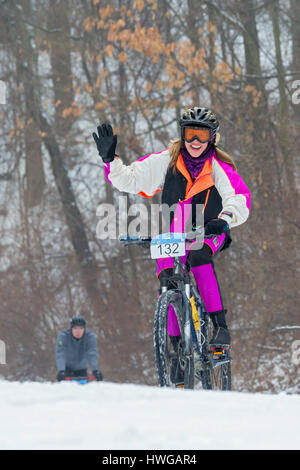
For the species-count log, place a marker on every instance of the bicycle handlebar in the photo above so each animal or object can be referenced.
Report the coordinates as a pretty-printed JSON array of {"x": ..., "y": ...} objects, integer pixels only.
[
  {"x": 135, "y": 240},
  {"x": 140, "y": 240}
]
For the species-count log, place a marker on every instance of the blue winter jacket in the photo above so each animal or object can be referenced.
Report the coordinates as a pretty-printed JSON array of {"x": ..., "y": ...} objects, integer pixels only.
[{"x": 76, "y": 354}]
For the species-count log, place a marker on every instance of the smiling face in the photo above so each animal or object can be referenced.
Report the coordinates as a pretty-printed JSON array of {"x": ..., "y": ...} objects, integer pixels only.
[
  {"x": 196, "y": 139},
  {"x": 195, "y": 148}
]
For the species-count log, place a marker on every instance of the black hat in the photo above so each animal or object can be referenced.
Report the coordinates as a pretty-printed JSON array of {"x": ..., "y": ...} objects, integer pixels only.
[{"x": 78, "y": 321}]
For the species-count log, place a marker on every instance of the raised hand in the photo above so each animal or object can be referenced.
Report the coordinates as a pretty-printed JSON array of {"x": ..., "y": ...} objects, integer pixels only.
[{"x": 106, "y": 142}]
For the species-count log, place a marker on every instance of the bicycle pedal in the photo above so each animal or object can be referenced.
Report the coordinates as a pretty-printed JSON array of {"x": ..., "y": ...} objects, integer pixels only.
[{"x": 220, "y": 351}]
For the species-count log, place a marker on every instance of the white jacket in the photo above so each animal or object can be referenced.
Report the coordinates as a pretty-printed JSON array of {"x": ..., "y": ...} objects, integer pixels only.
[{"x": 146, "y": 176}]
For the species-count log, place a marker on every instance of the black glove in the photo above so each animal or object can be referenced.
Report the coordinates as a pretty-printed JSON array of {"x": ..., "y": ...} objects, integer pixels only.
[
  {"x": 61, "y": 375},
  {"x": 98, "y": 375},
  {"x": 106, "y": 142},
  {"x": 216, "y": 227}
]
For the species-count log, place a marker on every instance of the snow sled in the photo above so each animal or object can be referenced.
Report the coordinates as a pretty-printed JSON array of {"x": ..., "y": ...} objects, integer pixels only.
[{"x": 81, "y": 380}]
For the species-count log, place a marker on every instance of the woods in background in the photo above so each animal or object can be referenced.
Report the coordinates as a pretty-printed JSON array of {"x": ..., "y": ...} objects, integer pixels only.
[{"x": 138, "y": 63}]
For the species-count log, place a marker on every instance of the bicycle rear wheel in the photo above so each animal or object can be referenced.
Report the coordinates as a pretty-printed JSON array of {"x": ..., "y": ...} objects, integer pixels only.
[
  {"x": 166, "y": 355},
  {"x": 220, "y": 377}
]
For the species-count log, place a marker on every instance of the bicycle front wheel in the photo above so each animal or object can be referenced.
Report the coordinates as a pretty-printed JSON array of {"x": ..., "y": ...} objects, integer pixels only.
[{"x": 174, "y": 358}]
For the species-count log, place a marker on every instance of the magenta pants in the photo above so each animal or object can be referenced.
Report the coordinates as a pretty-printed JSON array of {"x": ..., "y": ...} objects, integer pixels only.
[{"x": 202, "y": 267}]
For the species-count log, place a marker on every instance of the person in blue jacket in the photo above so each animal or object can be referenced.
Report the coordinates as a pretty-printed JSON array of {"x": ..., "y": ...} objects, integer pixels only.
[{"x": 76, "y": 349}]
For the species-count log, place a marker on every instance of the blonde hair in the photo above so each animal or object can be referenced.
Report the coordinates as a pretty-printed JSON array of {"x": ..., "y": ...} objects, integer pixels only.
[{"x": 178, "y": 144}]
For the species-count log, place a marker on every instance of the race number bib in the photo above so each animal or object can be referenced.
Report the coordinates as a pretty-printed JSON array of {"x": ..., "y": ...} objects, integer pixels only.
[{"x": 168, "y": 245}]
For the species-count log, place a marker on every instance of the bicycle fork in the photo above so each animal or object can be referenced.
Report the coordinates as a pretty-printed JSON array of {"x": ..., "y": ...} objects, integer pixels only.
[{"x": 187, "y": 319}]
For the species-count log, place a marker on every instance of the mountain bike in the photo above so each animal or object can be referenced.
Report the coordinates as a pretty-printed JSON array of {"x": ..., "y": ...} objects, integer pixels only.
[{"x": 191, "y": 354}]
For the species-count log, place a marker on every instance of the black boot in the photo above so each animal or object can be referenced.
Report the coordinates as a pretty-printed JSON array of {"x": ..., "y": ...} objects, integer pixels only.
[{"x": 221, "y": 335}]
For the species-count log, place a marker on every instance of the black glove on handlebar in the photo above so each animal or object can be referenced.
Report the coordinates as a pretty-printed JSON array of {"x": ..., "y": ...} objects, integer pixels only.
[
  {"x": 61, "y": 375},
  {"x": 98, "y": 375},
  {"x": 216, "y": 227},
  {"x": 106, "y": 142}
]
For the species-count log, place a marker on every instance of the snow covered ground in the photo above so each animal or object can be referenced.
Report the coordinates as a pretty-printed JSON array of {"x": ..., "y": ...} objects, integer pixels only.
[{"x": 113, "y": 416}]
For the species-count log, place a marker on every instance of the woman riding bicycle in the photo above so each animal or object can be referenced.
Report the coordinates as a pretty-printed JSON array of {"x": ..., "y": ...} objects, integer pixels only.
[{"x": 192, "y": 171}]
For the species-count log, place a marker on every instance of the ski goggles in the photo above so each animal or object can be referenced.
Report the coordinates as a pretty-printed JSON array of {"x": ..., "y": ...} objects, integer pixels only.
[{"x": 202, "y": 134}]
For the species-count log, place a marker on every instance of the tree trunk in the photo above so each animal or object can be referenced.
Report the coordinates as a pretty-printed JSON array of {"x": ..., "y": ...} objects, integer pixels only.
[
  {"x": 295, "y": 31},
  {"x": 28, "y": 76},
  {"x": 60, "y": 57},
  {"x": 283, "y": 103},
  {"x": 87, "y": 264},
  {"x": 295, "y": 65}
]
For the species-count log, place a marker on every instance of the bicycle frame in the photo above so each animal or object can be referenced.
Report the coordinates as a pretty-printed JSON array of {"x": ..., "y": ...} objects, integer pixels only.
[
  {"x": 215, "y": 359},
  {"x": 182, "y": 273},
  {"x": 182, "y": 276}
]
